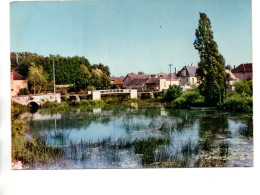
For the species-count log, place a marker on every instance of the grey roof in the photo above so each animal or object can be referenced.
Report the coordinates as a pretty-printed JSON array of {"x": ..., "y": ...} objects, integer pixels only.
[
  {"x": 134, "y": 76},
  {"x": 138, "y": 81},
  {"x": 188, "y": 71}
]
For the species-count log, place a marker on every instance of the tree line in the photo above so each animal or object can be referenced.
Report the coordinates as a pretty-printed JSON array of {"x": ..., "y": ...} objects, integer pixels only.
[{"x": 76, "y": 71}]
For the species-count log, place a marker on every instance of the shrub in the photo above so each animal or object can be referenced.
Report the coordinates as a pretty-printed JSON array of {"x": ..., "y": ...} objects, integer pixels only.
[
  {"x": 244, "y": 87},
  {"x": 237, "y": 103},
  {"x": 91, "y": 88},
  {"x": 24, "y": 91},
  {"x": 188, "y": 99},
  {"x": 172, "y": 93}
]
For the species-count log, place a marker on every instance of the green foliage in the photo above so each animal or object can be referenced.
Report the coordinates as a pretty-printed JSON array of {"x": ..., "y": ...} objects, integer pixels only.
[
  {"x": 237, "y": 103},
  {"x": 24, "y": 91},
  {"x": 37, "y": 78},
  {"x": 172, "y": 93},
  {"x": 245, "y": 88},
  {"x": 147, "y": 148},
  {"x": 68, "y": 70},
  {"x": 188, "y": 99},
  {"x": 21, "y": 62},
  {"x": 91, "y": 88},
  {"x": 211, "y": 71},
  {"x": 16, "y": 110},
  {"x": 28, "y": 150}
]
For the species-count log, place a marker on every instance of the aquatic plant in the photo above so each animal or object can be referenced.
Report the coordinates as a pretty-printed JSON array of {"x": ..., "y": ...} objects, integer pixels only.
[{"x": 246, "y": 131}]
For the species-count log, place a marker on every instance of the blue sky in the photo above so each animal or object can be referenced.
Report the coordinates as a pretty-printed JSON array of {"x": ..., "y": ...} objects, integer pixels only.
[{"x": 131, "y": 35}]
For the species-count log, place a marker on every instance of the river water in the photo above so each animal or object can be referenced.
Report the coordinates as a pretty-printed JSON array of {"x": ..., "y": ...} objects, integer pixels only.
[{"x": 142, "y": 137}]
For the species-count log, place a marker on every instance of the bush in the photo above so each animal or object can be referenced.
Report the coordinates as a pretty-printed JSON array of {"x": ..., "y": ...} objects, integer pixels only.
[
  {"x": 237, "y": 103},
  {"x": 188, "y": 99},
  {"x": 172, "y": 93},
  {"x": 244, "y": 87},
  {"x": 24, "y": 91},
  {"x": 91, "y": 88}
]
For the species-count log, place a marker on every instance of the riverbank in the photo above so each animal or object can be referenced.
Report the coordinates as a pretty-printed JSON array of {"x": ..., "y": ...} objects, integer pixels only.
[{"x": 33, "y": 150}]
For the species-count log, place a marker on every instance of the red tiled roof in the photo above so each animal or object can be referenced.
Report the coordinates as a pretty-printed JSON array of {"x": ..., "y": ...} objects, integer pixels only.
[
  {"x": 17, "y": 76},
  {"x": 243, "y": 68},
  {"x": 117, "y": 82}
]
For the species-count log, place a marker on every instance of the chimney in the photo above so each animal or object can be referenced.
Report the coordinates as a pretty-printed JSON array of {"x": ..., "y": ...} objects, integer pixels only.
[
  {"x": 175, "y": 70},
  {"x": 191, "y": 64},
  {"x": 140, "y": 73},
  {"x": 234, "y": 66}
]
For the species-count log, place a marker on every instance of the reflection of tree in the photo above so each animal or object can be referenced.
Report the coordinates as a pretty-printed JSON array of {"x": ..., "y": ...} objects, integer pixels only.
[
  {"x": 210, "y": 127},
  {"x": 186, "y": 119},
  {"x": 247, "y": 130}
]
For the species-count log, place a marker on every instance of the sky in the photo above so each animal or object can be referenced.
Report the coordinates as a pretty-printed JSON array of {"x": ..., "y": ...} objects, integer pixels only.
[{"x": 131, "y": 35}]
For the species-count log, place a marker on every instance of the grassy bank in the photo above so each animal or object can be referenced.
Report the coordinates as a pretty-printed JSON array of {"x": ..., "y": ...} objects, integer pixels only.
[
  {"x": 234, "y": 102},
  {"x": 29, "y": 150}
]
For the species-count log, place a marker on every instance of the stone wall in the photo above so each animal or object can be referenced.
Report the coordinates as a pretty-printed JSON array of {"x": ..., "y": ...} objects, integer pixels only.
[{"x": 39, "y": 99}]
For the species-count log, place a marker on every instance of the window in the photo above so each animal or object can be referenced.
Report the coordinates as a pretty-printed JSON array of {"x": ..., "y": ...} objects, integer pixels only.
[
  {"x": 192, "y": 80},
  {"x": 164, "y": 84}
]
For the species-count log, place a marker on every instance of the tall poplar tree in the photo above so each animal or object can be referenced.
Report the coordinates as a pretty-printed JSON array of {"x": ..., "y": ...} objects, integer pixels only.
[{"x": 211, "y": 68}]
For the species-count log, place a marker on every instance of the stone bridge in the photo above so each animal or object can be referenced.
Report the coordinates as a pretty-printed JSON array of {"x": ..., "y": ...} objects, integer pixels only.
[{"x": 37, "y": 99}]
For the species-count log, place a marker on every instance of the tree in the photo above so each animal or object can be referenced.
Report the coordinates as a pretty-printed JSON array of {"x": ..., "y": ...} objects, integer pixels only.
[
  {"x": 82, "y": 77},
  {"x": 37, "y": 78},
  {"x": 244, "y": 87},
  {"x": 172, "y": 93},
  {"x": 211, "y": 68}
]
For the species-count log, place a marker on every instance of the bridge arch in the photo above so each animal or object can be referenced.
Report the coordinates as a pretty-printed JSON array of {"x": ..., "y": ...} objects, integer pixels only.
[{"x": 33, "y": 106}]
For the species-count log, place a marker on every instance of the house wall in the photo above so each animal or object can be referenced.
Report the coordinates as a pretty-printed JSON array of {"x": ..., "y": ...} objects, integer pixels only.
[
  {"x": 244, "y": 76},
  {"x": 16, "y": 85},
  {"x": 165, "y": 84},
  {"x": 188, "y": 81},
  {"x": 192, "y": 80},
  {"x": 152, "y": 87},
  {"x": 231, "y": 85},
  {"x": 127, "y": 80}
]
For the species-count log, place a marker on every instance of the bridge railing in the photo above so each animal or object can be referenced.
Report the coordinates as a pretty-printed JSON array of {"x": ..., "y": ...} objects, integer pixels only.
[{"x": 116, "y": 91}]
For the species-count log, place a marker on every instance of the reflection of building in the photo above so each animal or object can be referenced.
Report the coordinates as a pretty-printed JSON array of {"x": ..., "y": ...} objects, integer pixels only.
[
  {"x": 243, "y": 71},
  {"x": 17, "y": 82},
  {"x": 188, "y": 77}
]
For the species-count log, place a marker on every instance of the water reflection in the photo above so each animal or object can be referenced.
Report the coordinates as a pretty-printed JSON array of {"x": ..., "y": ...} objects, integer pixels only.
[{"x": 135, "y": 137}]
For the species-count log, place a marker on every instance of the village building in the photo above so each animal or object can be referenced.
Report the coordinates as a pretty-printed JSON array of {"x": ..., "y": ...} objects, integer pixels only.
[
  {"x": 232, "y": 80},
  {"x": 187, "y": 76},
  {"x": 162, "y": 81},
  {"x": 136, "y": 81},
  {"x": 117, "y": 82},
  {"x": 17, "y": 82},
  {"x": 243, "y": 71}
]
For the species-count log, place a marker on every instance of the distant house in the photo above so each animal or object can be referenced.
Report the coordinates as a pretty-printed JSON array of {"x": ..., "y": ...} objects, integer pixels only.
[
  {"x": 136, "y": 81},
  {"x": 232, "y": 80},
  {"x": 117, "y": 82},
  {"x": 162, "y": 81},
  {"x": 187, "y": 76},
  {"x": 17, "y": 82},
  {"x": 243, "y": 71}
]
